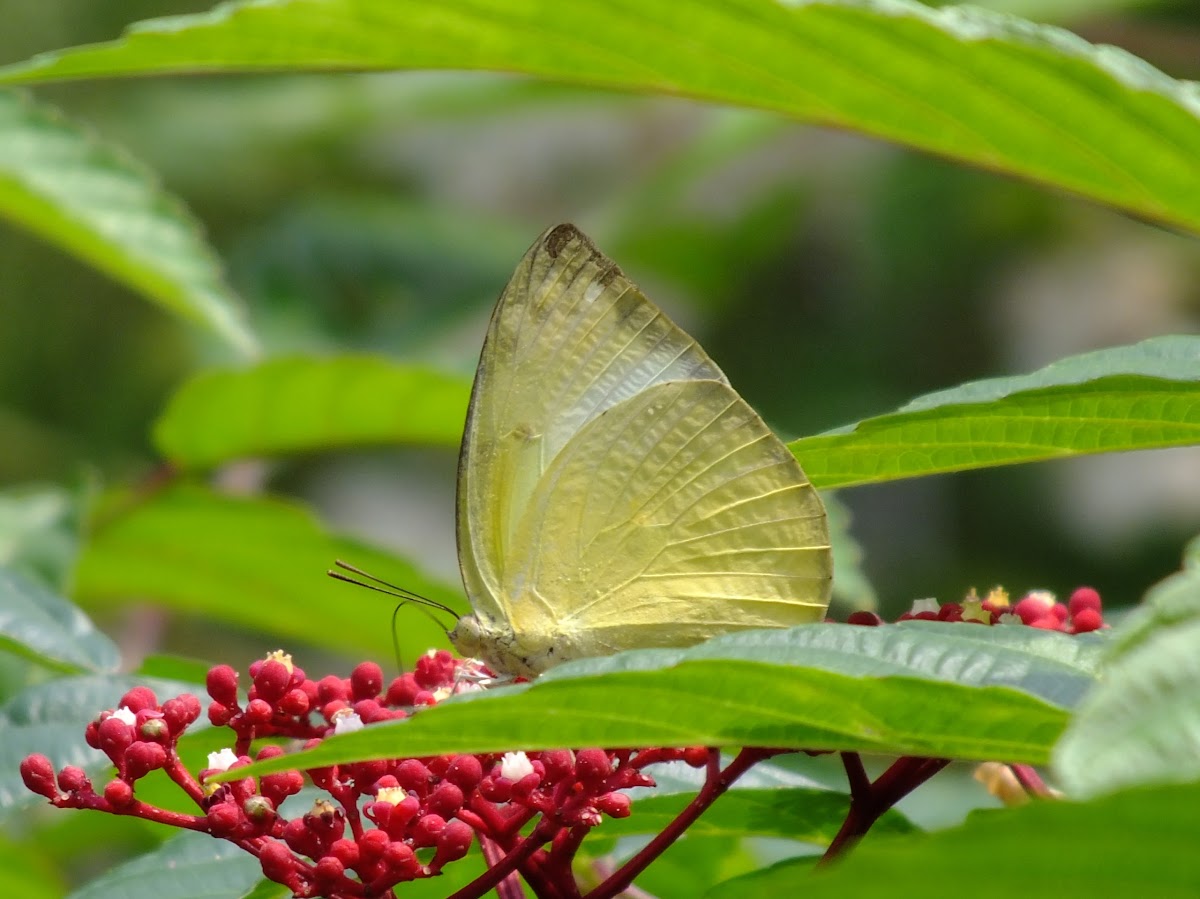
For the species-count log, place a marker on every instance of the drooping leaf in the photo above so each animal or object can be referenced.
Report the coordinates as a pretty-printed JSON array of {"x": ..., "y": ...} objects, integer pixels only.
[
  {"x": 89, "y": 198},
  {"x": 1000, "y": 93},
  {"x": 300, "y": 404},
  {"x": 253, "y": 562}
]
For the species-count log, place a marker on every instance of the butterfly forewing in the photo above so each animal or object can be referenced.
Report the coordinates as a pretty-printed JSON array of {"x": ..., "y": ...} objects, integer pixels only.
[{"x": 570, "y": 337}]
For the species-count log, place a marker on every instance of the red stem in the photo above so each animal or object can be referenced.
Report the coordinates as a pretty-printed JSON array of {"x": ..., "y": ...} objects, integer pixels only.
[
  {"x": 1028, "y": 778},
  {"x": 715, "y": 784},
  {"x": 491, "y": 878}
]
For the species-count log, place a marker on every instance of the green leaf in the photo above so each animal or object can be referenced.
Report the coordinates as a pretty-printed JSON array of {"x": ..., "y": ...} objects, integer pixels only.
[
  {"x": 89, "y": 198},
  {"x": 903, "y": 690},
  {"x": 190, "y": 866},
  {"x": 992, "y": 91},
  {"x": 50, "y": 718},
  {"x": 303, "y": 404},
  {"x": 39, "y": 532},
  {"x": 1136, "y": 843},
  {"x": 25, "y": 873},
  {"x": 1144, "y": 396},
  {"x": 1141, "y": 724},
  {"x": 42, "y": 626},
  {"x": 257, "y": 563}
]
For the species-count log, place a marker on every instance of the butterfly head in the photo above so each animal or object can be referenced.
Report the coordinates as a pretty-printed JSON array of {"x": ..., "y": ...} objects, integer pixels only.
[{"x": 501, "y": 650}]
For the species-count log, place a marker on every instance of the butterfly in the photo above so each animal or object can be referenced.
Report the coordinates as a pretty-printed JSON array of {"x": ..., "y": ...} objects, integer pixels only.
[{"x": 614, "y": 492}]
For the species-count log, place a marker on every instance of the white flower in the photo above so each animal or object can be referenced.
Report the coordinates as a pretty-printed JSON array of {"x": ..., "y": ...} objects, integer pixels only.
[
  {"x": 346, "y": 722},
  {"x": 925, "y": 605},
  {"x": 220, "y": 761},
  {"x": 123, "y": 714},
  {"x": 393, "y": 795},
  {"x": 515, "y": 765}
]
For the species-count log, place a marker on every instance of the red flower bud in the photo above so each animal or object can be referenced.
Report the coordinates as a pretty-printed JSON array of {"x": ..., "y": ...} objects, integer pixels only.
[
  {"x": 220, "y": 714},
  {"x": 328, "y": 872},
  {"x": 73, "y": 780},
  {"x": 372, "y": 844},
  {"x": 1084, "y": 598},
  {"x": 412, "y": 775},
  {"x": 114, "y": 736},
  {"x": 557, "y": 764},
  {"x": 696, "y": 756},
  {"x": 259, "y": 810},
  {"x": 346, "y": 852},
  {"x": 143, "y": 757},
  {"x": 331, "y": 689},
  {"x": 615, "y": 805},
  {"x": 154, "y": 729},
  {"x": 118, "y": 794},
  {"x": 495, "y": 789},
  {"x": 592, "y": 765},
  {"x": 1087, "y": 620},
  {"x": 401, "y": 861},
  {"x": 258, "y": 711},
  {"x": 272, "y": 681},
  {"x": 366, "y": 681},
  {"x": 139, "y": 698},
  {"x": 403, "y": 690},
  {"x": 38, "y": 774},
  {"x": 223, "y": 818},
  {"x": 181, "y": 712},
  {"x": 278, "y": 864},
  {"x": 864, "y": 617},
  {"x": 426, "y": 830},
  {"x": 294, "y": 702},
  {"x": 465, "y": 772},
  {"x": 222, "y": 684},
  {"x": 453, "y": 843},
  {"x": 446, "y": 799}
]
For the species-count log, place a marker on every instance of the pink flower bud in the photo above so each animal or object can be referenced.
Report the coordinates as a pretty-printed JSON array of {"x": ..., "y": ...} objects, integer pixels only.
[
  {"x": 445, "y": 800},
  {"x": 372, "y": 844},
  {"x": 73, "y": 780},
  {"x": 413, "y": 775},
  {"x": 222, "y": 683},
  {"x": 592, "y": 765},
  {"x": 1084, "y": 598},
  {"x": 331, "y": 689},
  {"x": 154, "y": 729},
  {"x": 114, "y": 736},
  {"x": 453, "y": 843},
  {"x": 1087, "y": 620},
  {"x": 38, "y": 774},
  {"x": 294, "y": 702},
  {"x": 864, "y": 618},
  {"x": 557, "y": 764},
  {"x": 272, "y": 681},
  {"x": 139, "y": 698},
  {"x": 278, "y": 864},
  {"x": 118, "y": 794},
  {"x": 615, "y": 805},
  {"x": 143, "y": 757},
  {"x": 366, "y": 681},
  {"x": 426, "y": 830},
  {"x": 465, "y": 772},
  {"x": 223, "y": 819}
]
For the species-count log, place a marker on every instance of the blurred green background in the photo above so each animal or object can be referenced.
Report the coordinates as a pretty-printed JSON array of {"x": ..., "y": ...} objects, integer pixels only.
[{"x": 832, "y": 278}]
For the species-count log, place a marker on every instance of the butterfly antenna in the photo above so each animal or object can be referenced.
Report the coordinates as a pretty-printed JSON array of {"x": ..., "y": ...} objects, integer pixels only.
[{"x": 371, "y": 582}]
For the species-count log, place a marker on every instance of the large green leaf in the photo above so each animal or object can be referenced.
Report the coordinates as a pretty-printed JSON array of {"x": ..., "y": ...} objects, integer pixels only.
[
  {"x": 1141, "y": 724},
  {"x": 996, "y": 92},
  {"x": 919, "y": 689},
  {"x": 42, "y": 626},
  {"x": 257, "y": 563},
  {"x": 190, "y": 866},
  {"x": 1140, "y": 843},
  {"x": 304, "y": 404},
  {"x": 1144, "y": 396},
  {"x": 88, "y": 197},
  {"x": 39, "y": 532}
]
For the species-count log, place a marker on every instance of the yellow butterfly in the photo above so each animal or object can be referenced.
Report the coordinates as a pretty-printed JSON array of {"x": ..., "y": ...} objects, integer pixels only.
[{"x": 614, "y": 492}]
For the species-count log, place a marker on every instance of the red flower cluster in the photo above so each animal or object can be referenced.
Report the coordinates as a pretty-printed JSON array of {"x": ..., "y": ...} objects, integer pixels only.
[
  {"x": 1082, "y": 614},
  {"x": 384, "y": 821}
]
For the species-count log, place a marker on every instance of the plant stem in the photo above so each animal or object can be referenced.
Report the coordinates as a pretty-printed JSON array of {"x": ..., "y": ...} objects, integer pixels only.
[{"x": 715, "y": 784}]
